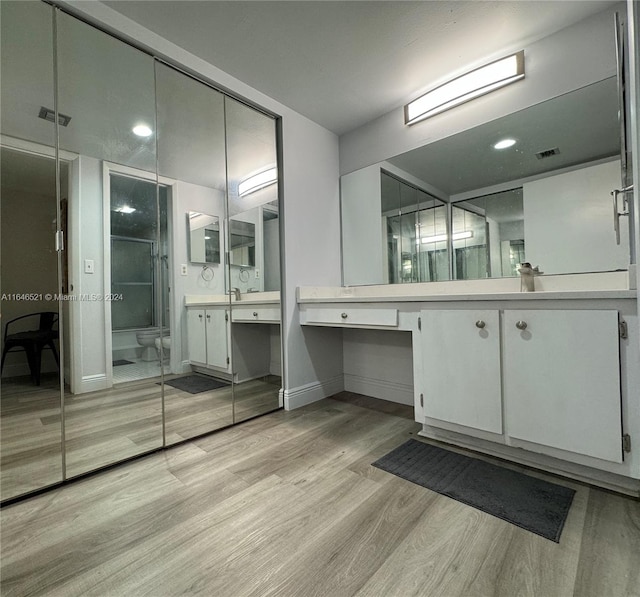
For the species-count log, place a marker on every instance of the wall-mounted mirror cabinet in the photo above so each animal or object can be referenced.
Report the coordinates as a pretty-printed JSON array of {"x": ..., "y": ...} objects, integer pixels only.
[
  {"x": 544, "y": 199},
  {"x": 136, "y": 302}
]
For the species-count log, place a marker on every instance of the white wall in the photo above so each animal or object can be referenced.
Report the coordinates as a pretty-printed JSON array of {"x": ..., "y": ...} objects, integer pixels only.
[
  {"x": 362, "y": 239},
  {"x": 310, "y": 211},
  {"x": 569, "y": 59},
  {"x": 568, "y": 221},
  {"x": 379, "y": 363}
]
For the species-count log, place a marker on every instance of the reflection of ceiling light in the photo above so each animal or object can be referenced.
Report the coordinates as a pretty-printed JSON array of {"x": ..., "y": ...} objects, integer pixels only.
[
  {"x": 504, "y": 144},
  {"x": 125, "y": 209},
  {"x": 258, "y": 181},
  {"x": 142, "y": 130},
  {"x": 207, "y": 238},
  {"x": 442, "y": 237},
  {"x": 464, "y": 88}
]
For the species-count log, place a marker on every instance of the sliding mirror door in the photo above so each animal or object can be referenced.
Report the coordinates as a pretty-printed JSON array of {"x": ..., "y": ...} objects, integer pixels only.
[
  {"x": 30, "y": 410},
  {"x": 113, "y": 409},
  {"x": 254, "y": 259},
  {"x": 191, "y": 163}
]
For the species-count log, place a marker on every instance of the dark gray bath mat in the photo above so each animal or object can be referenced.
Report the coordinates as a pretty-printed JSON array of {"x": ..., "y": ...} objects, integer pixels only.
[
  {"x": 530, "y": 503},
  {"x": 195, "y": 384},
  {"x": 122, "y": 362}
]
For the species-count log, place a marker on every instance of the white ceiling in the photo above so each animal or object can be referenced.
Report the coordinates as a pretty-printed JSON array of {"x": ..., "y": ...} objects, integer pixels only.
[{"x": 344, "y": 63}]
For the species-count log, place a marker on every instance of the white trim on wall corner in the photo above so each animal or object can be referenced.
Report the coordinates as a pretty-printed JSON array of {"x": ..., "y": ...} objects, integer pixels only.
[
  {"x": 392, "y": 391},
  {"x": 91, "y": 383},
  {"x": 312, "y": 392}
]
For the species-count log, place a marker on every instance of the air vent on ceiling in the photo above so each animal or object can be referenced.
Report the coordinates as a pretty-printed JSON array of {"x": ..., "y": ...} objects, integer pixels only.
[
  {"x": 50, "y": 115},
  {"x": 547, "y": 153}
]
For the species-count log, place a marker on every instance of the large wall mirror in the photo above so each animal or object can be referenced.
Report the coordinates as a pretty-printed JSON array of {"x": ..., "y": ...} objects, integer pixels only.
[
  {"x": 545, "y": 199},
  {"x": 144, "y": 325}
]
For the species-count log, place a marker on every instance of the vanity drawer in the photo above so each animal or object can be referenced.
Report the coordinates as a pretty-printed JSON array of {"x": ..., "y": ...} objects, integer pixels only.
[
  {"x": 255, "y": 314},
  {"x": 349, "y": 317}
]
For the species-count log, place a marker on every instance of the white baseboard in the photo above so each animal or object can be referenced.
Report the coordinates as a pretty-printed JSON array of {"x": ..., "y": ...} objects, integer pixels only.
[
  {"x": 312, "y": 392},
  {"x": 392, "y": 391},
  {"x": 280, "y": 397},
  {"x": 92, "y": 383}
]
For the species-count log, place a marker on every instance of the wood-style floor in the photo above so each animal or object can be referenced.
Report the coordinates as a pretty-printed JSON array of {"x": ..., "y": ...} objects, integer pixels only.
[
  {"x": 108, "y": 426},
  {"x": 289, "y": 505}
]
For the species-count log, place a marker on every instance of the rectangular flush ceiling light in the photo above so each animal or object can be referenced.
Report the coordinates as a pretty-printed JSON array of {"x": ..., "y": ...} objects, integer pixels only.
[{"x": 466, "y": 87}]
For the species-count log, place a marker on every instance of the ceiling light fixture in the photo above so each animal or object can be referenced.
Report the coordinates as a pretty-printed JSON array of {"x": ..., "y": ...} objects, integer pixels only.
[
  {"x": 442, "y": 237},
  {"x": 142, "y": 130},
  {"x": 504, "y": 144},
  {"x": 258, "y": 181},
  {"x": 466, "y": 87},
  {"x": 125, "y": 209}
]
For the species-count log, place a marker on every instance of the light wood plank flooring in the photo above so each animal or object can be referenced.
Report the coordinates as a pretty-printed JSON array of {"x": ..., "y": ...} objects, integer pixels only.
[
  {"x": 108, "y": 426},
  {"x": 289, "y": 505}
]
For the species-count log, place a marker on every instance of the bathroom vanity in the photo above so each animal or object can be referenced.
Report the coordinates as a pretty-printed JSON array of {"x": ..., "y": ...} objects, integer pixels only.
[
  {"x": 253, "y": 322},
  {"x": 547, "y": 378}
]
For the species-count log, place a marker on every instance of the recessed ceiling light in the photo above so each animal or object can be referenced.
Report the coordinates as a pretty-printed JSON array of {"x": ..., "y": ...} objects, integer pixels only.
[
  {"x": 142, "y": 130},
  {"x": 504, "y": 143}
]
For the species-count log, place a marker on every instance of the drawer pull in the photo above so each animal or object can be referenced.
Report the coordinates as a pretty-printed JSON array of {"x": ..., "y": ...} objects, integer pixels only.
[
  {"x": 521, "y": 325},
  {"x": 480, "y": 324},
  {"x": 255, "y": 314},
  {"x": 344, "y": 316}
]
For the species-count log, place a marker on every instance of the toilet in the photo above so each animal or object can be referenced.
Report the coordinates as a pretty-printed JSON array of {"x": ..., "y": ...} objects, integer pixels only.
[
  {"x": 150, "y": 340},
  {"x": 165, "y": 342}
]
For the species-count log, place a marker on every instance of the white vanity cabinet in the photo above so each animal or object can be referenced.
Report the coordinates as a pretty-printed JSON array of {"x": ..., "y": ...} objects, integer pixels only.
[
  {"x": 461, "y": 368},
  {"x": 208, "y": 335},
  {"x": 554, "y": 373},
  {"x": 561, "y": 375}
]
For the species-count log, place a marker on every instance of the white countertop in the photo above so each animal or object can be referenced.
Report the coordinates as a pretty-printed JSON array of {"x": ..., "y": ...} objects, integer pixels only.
[
  {"x": 604, "y": 285},
  {"x": 247, "y": 298}
]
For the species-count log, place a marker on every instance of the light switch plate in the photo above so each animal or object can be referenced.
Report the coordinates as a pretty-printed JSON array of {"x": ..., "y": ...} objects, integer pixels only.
[
  {"x": 183, "y": 269},
  {"x": 89, "y": 267},
  {"x": 257, "y": 273}
]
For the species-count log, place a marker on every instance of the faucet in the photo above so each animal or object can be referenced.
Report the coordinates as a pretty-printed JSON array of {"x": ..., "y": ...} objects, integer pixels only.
[
  {"x": 236, "y": 292},
  {"x": 527, "y": 274}
]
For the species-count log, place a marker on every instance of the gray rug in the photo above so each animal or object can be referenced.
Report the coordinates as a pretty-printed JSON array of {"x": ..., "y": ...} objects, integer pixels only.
[
  {"x": 196, "y": 384},
  {"x": 120, "y": 362},
  {"x": 530, "y": 503}
]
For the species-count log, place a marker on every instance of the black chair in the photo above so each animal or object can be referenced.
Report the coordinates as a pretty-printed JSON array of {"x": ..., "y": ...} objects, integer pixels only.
[{"x": 33, "y": 342}]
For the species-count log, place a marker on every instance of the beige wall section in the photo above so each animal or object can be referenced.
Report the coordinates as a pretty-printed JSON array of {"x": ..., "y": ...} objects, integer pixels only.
[{"x": 29, "y": 263}]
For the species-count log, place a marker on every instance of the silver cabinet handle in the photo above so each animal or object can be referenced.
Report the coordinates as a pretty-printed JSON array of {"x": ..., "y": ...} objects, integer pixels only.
[
  {"x": 255, "y": 314},
  {"x": 521, "y": 325},
  {"x": 344, "y": 316},
  {"x": 480, "y": 324}
]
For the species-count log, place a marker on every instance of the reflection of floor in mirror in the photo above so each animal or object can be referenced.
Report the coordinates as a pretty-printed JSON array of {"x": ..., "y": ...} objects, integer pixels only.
[
  {"x": 108, "y": 425},
  {"x": 29, "y": 434},
  {"x": 138, "y": 369}
]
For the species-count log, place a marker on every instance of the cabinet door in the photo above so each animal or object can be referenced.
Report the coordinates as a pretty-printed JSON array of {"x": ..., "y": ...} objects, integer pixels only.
[
  {"x": 196, "y": 336},
  {"x": 217, "y": 340},
  {"x": 461, "y": 368},
  {"x": 562, "y": 380}
]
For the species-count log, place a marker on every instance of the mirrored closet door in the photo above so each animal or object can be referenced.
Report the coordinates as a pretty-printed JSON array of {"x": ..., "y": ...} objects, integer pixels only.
[
  {"x": 31, "y": 413},
  {"x": 106, "y": 89},
  {"x": 140, "y": 253},
  {"x": 254, "y": 259}
]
